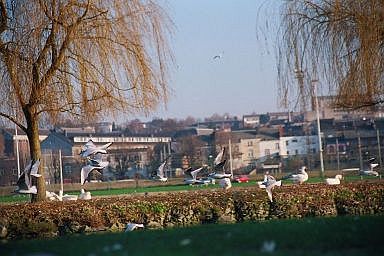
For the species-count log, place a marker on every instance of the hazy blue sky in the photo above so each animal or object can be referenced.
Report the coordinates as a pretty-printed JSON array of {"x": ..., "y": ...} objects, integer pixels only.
[{"x": 242, "y": 81}]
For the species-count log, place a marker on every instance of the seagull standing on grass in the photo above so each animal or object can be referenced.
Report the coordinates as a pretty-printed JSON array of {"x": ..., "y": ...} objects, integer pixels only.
[
  {"x": 225, "y": 183},
  {"x": 85, "y": 195},
  {"x": 299, "y": 178},
  {"x": 334, "y": 181}
]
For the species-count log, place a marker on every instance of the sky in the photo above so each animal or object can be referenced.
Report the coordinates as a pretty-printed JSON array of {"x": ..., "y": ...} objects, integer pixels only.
[{"x": 242, "y": 81}]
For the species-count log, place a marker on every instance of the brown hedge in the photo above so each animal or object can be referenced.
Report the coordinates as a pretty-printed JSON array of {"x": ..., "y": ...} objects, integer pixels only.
[{"x": 177, "y": 209}]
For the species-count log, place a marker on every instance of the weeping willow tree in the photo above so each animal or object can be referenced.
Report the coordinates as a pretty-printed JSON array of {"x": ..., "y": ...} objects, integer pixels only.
[
  {"x": 80, "y": 58},
  {"x": 340, "y": 42}
]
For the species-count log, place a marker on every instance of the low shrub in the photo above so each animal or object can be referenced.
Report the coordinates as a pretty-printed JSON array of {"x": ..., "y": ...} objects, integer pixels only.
[{"x": 189, "y": 208}]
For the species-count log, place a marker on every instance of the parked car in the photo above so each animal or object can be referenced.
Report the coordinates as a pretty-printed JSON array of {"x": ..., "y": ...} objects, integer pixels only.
[{"x": 241, "y": 178}]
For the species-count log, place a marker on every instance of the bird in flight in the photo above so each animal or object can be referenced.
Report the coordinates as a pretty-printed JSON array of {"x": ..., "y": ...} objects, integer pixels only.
[{"x": 219, "y": 56}]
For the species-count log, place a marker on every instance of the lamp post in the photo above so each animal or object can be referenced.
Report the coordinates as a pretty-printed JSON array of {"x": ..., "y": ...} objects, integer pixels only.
[{"x": 314, "y": 82}]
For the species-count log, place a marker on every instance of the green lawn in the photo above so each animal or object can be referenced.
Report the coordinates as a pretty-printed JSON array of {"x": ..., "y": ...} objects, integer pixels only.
[{"x": 349, "y": 235}]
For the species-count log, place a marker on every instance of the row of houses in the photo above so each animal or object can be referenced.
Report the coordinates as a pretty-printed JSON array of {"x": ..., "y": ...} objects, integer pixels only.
[
  {"x": 345, "y": 143},
  {"x": 126, "y": 155},
  {"x": 284, "y": 145}
]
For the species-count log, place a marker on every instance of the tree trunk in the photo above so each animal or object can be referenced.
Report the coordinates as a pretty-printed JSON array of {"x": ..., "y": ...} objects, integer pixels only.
[{"x": 35, "y": 153}]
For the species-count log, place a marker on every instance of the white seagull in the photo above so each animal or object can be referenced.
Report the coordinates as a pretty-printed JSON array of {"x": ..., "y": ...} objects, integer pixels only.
[
  {"x": 85, "y": 195},
  {"x": 93, "y": 164},
  {"x": 225, "y": 183},
  {"x": 192, "y": 176},
  {"x": 219, "y": 163},
  {"x": 334, "y": 181},
  {"x": 52, "y": 196},
  {"x": 133, "y": 226},
  {"x": 299, "y": 178},
  {"x": 269, "y": 183},
  {"x": 218, "y": 56},
  {"x": 220, "y": 172},
  {"x": 368, "y": 170},
  {"x": 220, "y": 157},
  {"x": 91, "y": 149},
  {"x": 160, "y": 174},
  {"x": 24, "y": 183}
]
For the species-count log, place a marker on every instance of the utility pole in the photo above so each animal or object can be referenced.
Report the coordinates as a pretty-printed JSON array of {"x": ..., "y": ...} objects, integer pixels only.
[
  {"x": 61, "y": 175},
  {"x": 318, "y": 127},
  {"x": 359, "y": 147},
  {"x": 338, "y": 154},
  {"x": 230, "y": 156},
  {"x": 17, "y": 152},
  {"x": 379, "y": 146}
]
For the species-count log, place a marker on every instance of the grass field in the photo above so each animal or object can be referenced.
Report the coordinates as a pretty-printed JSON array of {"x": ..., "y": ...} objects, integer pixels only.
[
  {"x": 349, "y": 235},
  {"x": 124, "y": 191}
]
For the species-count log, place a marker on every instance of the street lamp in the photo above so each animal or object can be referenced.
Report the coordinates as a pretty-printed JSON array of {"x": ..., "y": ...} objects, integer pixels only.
[{"x": 314, "y": 82}]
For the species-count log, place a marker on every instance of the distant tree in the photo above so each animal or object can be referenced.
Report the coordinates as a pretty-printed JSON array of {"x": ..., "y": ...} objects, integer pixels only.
[
  {"x": 188, "y": 121},
  {"x": 60, "y": 59},
  {"x": 190, "y": 146},
  {"x": 339, "y": 41},
  {"x": 215, "y": 117}
]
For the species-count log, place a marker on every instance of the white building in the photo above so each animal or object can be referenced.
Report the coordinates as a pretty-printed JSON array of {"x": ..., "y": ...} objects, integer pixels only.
[
  {"x": 298, "y": 145},
  {"x": 257, "y": 148},
  {"x": 251, "y": 121}
]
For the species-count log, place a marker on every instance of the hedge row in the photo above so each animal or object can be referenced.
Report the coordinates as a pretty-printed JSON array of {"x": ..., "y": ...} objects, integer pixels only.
[{"x": 48, "y": 219}]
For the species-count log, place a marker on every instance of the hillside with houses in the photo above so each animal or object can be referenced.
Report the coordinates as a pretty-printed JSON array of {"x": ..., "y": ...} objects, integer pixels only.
[{"x": 276, "y": 141}]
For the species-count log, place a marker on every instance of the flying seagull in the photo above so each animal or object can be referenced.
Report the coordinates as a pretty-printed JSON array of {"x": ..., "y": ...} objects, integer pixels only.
[
  {"x": 219, "y": 158},
  {"x": 24, "y": 183},
  {"x": 91, "y": 149},
  {"x": 93, "y": 164},
  {"x": 219, "y": 164},
  {"x": 160, "y": 174},
  {"x": 369, "y": 168},
  {"x": 133, "y": 226},
  {"x": 218, "y": 56},
  {"x": 219, "y": 172},
  {"x": 269, "y": 183},
  {"x": 192, "y": 176}
]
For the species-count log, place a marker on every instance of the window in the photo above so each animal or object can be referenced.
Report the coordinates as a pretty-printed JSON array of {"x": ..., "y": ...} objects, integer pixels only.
[
  {"x": 296, "y": 152},
  {"x": 250, "y": 153},
  {"x": 286, "y": 143},
  {"x": 250, "y": 143},
  {"x": 277, "y": 146},
  {"x": 67, "y": 169},
  {"x": 267, "y": 152},
  {"x": 331, "y": 149}
]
